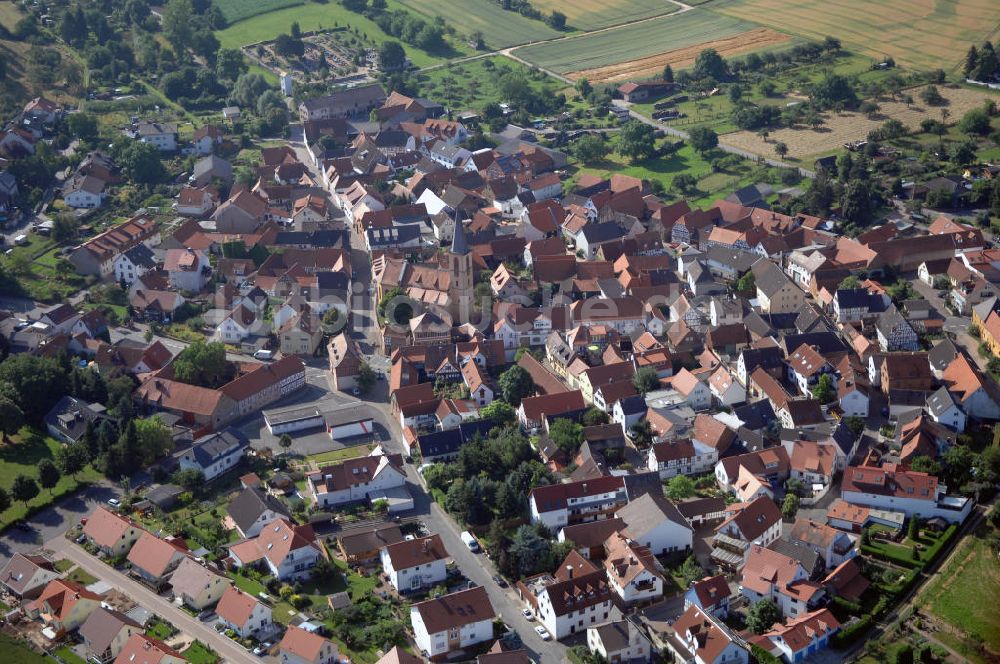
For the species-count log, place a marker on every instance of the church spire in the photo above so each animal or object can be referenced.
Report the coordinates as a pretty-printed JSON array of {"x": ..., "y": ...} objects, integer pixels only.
[{"x": 459, "y": 243}]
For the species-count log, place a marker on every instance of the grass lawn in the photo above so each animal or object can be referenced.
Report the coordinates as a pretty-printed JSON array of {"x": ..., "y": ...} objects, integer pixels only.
[
  {"x": 39, "y": 270},
  {"x": 68, "y": 656},
  {"x": 972, "y": 573},
  {"x": 237, "y": 10},
  {"x": 710, "y": 186},
  {"x": 63, "y": 565},
  {"x": 82, "y": 577},
  {"x": 247, "y": 585},
  {"x": 10, "y": 14},
  {"x": 283, "y": 612},
  {"x": 336, "y": 456},
  {"x": 315, "y": 16},
  {"x": 16, "y": 651},
  {"x": 22, "y": 457},
  {"x": 199, "y": 653},
  {"x": 159, "y": 629}
]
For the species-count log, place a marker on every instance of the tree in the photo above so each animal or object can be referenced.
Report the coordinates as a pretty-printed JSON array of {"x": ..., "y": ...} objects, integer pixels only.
[
  {"x": 646, "y": 380},
  {"x": 229, "y": 64},
  {"x": 391, "y": 56},
  {"x": 641, "y": 434},
  {"x": 203, "y": 364},
  {"x": 285, "y": 441},
  {"x": 567, "y": 435},
  {"x": 82, "y": 125},
  {"x": 177, "y": 28},
  {"x": 584, "y": 87},
  {"x": 64, "y": 227},
  {"x": 703, "y": 139},
  {"x": 153, "y": 439},
  {"x": 824, "y": 390},
  {"x": 189, "y": 478},
  {"x": 590, "y": 148},
  {"x": 48, "y": 474},
  {"x": 366, "y": 378},
  {"x": 780, "y": 149},
  {"x": 850, "y": 283},
  {"x": 4, "y": 500},
  {"x": 11, "y": 417},
  {"x": 913, "y": 528},
  {"x": 691, "y": 571},
  {"x": 789, "y": 506},
  {"x": 833, "y": 91},
  {"x": 856, "y": 203},
  {"x": 515, "y": 384},
  {"x": 24, "y": 489},
  {"x": 975, "y": 122},
  {"x": 499, "y": 412},
  {"x": 595, "y": 416},
  {"x": 72, "y": 458},
  {"x": 855, "y": 424},
  {"x": 556, "y": 20},
  {"x": 932, "y": 96},
  {"x": 680, "y": 487},
  {"x": 247, "y": 89},
  {"x": 761, "y": 615},
  {"x": 529, "y": 550},
  {"x": 668, "y": 74},
  {"x": 925, "y": 464},
  {"x": 323, "y": 571},
  {"x": 709, "y": 64},
  {"x": 636, "y": 141},
  {"x": 747, "y": 284},
  {"x": 904, "y": 655},
  {"x": 36, "y": 383},
  {"x": 139, "y": 162}
]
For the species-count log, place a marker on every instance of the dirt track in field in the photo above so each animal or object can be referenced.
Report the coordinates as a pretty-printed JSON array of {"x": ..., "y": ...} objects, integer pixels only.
[{"x": 682, "y": 57}]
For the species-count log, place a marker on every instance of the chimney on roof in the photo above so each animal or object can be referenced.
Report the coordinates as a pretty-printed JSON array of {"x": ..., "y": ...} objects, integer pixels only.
[{"x": 569, "y": 571}]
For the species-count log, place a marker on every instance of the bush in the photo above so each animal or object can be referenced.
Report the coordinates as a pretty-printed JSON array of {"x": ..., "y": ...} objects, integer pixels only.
[{"x": 852, "y": 633}]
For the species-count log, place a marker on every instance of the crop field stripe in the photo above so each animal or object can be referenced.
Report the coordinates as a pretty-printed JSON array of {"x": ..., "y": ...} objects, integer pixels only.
[
  {"x": 589, "y": 15},
  {"x": 500, "y": 28},
  {"x": 237, "y": 10},
  {"x": 916, "y": 33},
  {"x": 634, "y": 41}
]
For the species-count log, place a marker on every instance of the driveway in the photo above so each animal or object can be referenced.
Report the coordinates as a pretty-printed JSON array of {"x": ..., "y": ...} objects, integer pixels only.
[
  {"x": 53, "y": 522},
  {"x": 230, "y": 652}
]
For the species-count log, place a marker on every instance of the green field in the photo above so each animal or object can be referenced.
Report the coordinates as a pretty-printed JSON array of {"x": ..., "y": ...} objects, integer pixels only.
[
  {"x": 21, "y": 457},
  {"x": 631, "y": 42},
  {"x": 972, "y": 573},
  {"x": 10, "y": 14},
  {"x": 500, "y": 28},
  {"x": 314, "y": 16},
  {"x": 237, "y": 10},
  {"x": 589, "y": 15},
  {"x": 17, "y": 651}
]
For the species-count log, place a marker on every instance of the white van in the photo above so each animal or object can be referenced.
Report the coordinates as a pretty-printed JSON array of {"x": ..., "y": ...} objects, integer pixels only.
[
  {"x": 470, "y": 541},
  {"x": 21, "y": 239},
  {"x": 263, "y": 354}
]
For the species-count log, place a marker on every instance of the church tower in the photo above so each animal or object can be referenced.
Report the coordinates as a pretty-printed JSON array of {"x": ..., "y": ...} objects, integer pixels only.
[{"x": 459, "y": 262}]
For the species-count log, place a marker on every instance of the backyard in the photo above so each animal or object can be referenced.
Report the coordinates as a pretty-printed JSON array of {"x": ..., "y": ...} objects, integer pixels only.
[
  {"x": 41, "y": 271},
  {"x": 21, "y": 456}
]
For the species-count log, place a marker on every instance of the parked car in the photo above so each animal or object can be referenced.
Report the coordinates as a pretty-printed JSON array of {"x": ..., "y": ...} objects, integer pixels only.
[
  {"x": 263, "y": 648},
  {"x": 114, "y": 502},
  {"x": 528, "y": 615},
  {"x": 542, "y": 632},
  {"x": 499, "y": 581}
]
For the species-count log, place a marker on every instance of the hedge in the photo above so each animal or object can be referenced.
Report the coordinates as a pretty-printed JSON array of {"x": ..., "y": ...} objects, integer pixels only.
[
  {"x": 849, "y": 608},
  {"x": 852, "y": 633},
  {"x": 934, "y": 550},
  {"x": 886, "y": 554}
]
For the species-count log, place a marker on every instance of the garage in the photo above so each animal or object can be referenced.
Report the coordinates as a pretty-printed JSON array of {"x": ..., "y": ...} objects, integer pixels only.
[
  {"x": 290, "y": 420},
  {"x": 345, "y": 424}
]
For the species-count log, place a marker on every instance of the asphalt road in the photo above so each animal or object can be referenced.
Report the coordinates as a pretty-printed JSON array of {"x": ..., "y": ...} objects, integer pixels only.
[{"x": 204, "y": 632}]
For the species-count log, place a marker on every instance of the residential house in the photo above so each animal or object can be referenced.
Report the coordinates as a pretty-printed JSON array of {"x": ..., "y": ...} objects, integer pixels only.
[
  {"x": 452, "y": 623},
  {"x": 681, "y": 457},
  {"x": 776, "y": 293},
  {"x": 287, "y": 551},
  {"x": 618, "y": 642},
  {"x": 801, "y": 637},
  {"x": 558, "y": 505},
  {"x": 355, "y": 480},
  {"x": 187, "y": 269},
  {"x": 654, "y": 522},
  {"x": 197, "y": 586},
  {"x": 133, "y": 263},
  {"x": 757, "y": 523},
  {"x": 215, "y": 453},
  {"x": 895, "y": 489},
  {"x": 572, "y": 599},
  {"x": 415, "y": 564},
  {"x": 711, "y": 595},
  {"x": 831, "y": 545},
  {"x": 68, "y": 419},
  {"x": 84, "y": 192},
  {"x": 299, "y": 646},
  {"x": 97, "y": 255},
  {"x": 63, "y": 605},
  {"x": 163, "y": 136},
  {"x": 364, "y": 546},
  {"x": 153, "y": 559},
  {"x": 244, "y": 614},
  {"x": 533, "y": 411},
  {"x": 772, "y": 575},
  {"x": 634, "y": 574},
  {"x": 104, "y": 634},
  {"x": 895, "y": 332},
  {"x": 977, "y": 394},
  {"x": 25, "y": 576},
  {"x": 112, "y": 533},
  {"x": 253, "y": 508},
  {"x": 142, "y": 649},
  {"x": 697, "y": 637}
]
